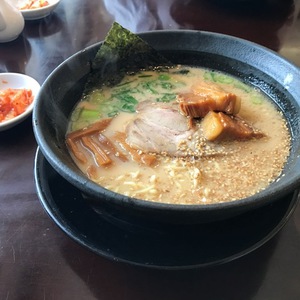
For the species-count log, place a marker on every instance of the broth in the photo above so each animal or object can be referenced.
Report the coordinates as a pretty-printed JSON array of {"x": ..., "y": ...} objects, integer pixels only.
[{"x": 215, "y": 171}]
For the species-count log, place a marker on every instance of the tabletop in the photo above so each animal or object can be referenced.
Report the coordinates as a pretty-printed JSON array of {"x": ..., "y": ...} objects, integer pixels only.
[{"x": 37, "y": 259}]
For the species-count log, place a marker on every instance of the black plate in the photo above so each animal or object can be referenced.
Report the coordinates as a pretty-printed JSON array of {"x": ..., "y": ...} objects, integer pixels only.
[{"x": 171, "y": 247}]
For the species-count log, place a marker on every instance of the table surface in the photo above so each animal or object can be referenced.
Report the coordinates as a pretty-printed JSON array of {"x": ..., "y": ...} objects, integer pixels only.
[{"x": 37, "y": 259}]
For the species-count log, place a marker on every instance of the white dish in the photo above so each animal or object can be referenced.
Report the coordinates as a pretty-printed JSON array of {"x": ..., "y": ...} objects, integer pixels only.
[
  {"x": 36, "y": 13},
  {"x": 18, "y": 81}
]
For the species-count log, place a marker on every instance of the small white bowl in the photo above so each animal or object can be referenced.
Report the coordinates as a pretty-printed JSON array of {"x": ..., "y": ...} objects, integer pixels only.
[
  {"x": 18, "y": 81},
  {"x": 36, "y": 13}
]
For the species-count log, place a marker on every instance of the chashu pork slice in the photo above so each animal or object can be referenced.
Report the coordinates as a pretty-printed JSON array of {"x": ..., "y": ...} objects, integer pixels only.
[
  {"x": 205, "y": 97},
  {"x": 219, "y": 126},
  {"x": 158, "y": 128}
]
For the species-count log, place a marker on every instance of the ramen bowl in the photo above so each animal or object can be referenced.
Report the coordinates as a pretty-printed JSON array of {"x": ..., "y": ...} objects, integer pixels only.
[{"x": 251, "y": 63}]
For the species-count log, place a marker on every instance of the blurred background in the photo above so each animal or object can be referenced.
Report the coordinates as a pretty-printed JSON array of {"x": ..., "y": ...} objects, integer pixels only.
[{"x": 271, "y": 23}]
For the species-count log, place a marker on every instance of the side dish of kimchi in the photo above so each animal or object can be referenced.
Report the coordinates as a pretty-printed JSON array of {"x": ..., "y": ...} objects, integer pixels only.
[
  {"x": 33, "y": 4},
  {"x": 14, "y": 102}
]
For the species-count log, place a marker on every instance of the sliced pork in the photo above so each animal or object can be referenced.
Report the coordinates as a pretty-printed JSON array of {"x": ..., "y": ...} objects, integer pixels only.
[
  {"x": 205, "y": 97},
  {"x": 158, "y": 128},
  {"x": 217, "y": 126}
]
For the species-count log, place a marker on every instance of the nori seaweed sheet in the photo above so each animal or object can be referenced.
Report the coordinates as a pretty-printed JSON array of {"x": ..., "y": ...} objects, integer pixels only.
[{"x": 121, "y": 52}]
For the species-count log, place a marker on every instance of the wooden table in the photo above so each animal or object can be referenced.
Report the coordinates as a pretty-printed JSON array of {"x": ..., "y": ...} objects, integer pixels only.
[{"x": 37, "y": 259}]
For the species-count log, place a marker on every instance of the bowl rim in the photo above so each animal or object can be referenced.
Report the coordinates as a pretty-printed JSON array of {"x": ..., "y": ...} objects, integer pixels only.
[{"x": 93, "y": 189}]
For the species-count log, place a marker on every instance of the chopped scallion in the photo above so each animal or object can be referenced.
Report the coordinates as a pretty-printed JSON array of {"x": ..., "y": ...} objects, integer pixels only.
[
  {"x": 166, "y": 98},
  {"x": 257, "y": 100},
  {"x": 164, "y": 77},
  {"x": 88, "y": 114}
]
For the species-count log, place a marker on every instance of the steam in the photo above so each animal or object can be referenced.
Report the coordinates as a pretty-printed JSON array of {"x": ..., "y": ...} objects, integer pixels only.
[{"x": 142, "y": 15}]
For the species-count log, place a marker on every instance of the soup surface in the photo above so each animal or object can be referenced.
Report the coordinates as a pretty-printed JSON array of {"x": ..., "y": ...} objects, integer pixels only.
[{"x": 142, "y": 139}]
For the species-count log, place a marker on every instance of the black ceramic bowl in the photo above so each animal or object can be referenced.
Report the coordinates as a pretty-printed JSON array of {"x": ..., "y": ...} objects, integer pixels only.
[{"x": 253, "y": 64}]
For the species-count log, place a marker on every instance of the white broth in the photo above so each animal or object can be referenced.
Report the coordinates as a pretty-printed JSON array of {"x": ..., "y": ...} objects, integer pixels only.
[{"x": 235, "y": 169}]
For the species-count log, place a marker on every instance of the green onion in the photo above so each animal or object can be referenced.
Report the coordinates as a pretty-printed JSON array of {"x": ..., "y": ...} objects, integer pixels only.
[
  {"x": 126, "y": 98},
  {"x": 222, "y": 78},
  {"x": 128, "y": 107},
  {"x": 164, "y": 77},
  {"x": 242, "y": 87},
  {"x": 88, "y": 114},
  {"x": 149, "y": 85},
  {"x": 166, "y": 85},
  {"x": 166, "y": 98},
  {"x": 208, "y": 76},
  {"x": 257, "y": 99},
  {"x": 217, "y": 77},
  {"x": 113, "y": 113}
]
